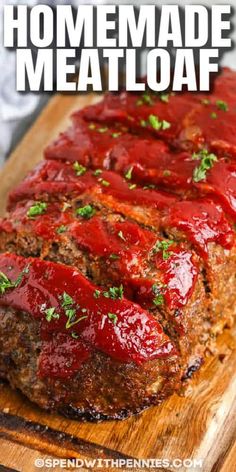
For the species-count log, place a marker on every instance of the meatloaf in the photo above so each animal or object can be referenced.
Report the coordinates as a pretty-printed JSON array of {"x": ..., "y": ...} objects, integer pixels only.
[{"x": 118, "y": 255}]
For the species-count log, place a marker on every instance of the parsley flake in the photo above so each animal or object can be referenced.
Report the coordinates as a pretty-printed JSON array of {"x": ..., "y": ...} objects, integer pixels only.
[
  {"x": 115, "y": 293},
  {"x": 222, "y": 105},
  {"x": 86, "y": 212},
  {"x": 158, "y": 124},
  {"x": 96, "y": 293},
  {"x": 97, "y": 172},
  {"x": 37, "y": 209},
  {"x": 50, "y": 314},
  {"x": 163, "y": 246},
  {"x": 6, "y": 283},
  {"x": 61, "y": 229},
  {"x": 164, "y": 97},
  {"x": 79, "y": 169},
  {"x": 207, "y": 162},
  {"x": 112, "y": 317},
  {"x": 128, "y": 174},
  {"x": 114, "y": 257},
  {"x": 67, "y": 300},
  {"x": 103, "y": 130}
]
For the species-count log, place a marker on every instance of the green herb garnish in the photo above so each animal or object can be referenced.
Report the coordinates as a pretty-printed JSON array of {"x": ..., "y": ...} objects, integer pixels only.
[
  {"x": 67, "y": 300},
  {"x": 6, "y": 283},
  {"x": 158, "y": 124},
  {"x": 114, "y": 257},
  {"x": 86, "y": 212},
  {"x": 37, "y": 209},
  {"x": 79, "y": 169},
  {"x": 128, "y": 174},
  {"x": 207, "y": 162},
  {"x": 103, "y": 130},
  {"x": 213, "y": 115},
  {"x": 163, "y": 246},
  {"x": 97, "y": 172},
  {"x": 112, "y": 317},
  {"x": 132, "y": 186},
  {"x": 115, "y": 293},
  {"x": 164, "y": 97},
  {"x": 222, "y": 105},
  {"x": 96, "y": 293},
  {"x": 62, "y": 229},
  {"x": 50, "y": 314},
  {"x": 159, "y": 298},
  {"x": 105, "y": 183},
  {"x": 116, "y": 135}
]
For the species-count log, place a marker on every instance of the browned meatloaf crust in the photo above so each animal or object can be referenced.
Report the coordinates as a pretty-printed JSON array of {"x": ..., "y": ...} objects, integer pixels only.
[{"x": 171, "y": 254}]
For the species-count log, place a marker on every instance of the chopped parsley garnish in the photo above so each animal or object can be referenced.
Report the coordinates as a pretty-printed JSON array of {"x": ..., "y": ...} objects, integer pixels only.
[
  {"x": 105, "y": 183},
  {"x": 79, "y": 169},
  {"x": 158, "y": 124},
  {"x": 70, "y": 313},
  {"x": 116, "y": 135},
  {"x": 37, "y": 209},
  {"x": 121, "y": 236},
  {"x": 112, "y": 317},
  {"x": 86, "y": 212},
  {"x": 164, "y": 97},
  {"x": 6, "y": 283},
  {"x": 159, "y": 298},
  {"x": 97, "y": 172},
  {"x": 213, "y": 115},
  {"x": 67, "y": 300},
  {"x": 50, "y": 314},
  {"x": 139, "y": 102},
  {"x": 128, "y": 174},
  {"x": 114, "y": 257},
  {"x": 132, "y": 186},
  {"x": 207, "y": 162},
  {"x": 147, "y": 99},
  {"x": 163, "y": 246},
  {"x": 222, "y": 105},
  {"x": 74, "y": 335},
  {"x": 96, "y": 293},
  {"x": 115, "y": 293},
  {"x": 103, "y": 130},
  {"x": 62, "y": 229}
]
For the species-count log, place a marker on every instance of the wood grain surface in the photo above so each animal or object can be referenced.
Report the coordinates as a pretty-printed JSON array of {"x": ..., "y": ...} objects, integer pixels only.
[{"x": 198, "y": 424}]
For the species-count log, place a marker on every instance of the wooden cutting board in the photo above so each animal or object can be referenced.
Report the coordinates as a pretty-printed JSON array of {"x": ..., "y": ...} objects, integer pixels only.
[{"x": 200, "y": 424}]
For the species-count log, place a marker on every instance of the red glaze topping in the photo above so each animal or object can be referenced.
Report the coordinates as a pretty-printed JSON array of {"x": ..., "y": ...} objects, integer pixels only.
[
  {"x": 211, "y": 126},
  {"x": 117, "y": 327},
  {"x": 202, "y": 221},
  {"x": 150, "y": 161}
]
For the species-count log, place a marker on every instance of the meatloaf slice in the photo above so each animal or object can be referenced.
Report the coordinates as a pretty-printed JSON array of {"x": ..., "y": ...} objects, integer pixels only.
[{"x": 68, "y": 351}]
